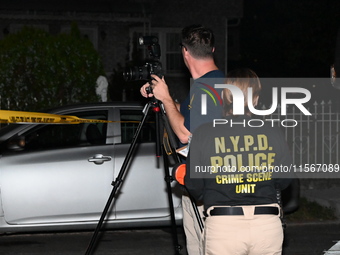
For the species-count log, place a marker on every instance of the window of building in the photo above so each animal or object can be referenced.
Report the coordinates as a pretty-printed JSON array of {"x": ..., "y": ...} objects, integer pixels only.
[{"x": 173, "y": 51}]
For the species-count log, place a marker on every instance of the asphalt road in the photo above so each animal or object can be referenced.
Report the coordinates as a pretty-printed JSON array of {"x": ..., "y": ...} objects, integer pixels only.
[
  {"x": 300, "y": 239},
  {"x": 310, "y": 238}
]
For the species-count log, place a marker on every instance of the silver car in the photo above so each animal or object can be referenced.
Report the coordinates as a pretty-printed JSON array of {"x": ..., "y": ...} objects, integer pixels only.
[{"x": 58, "y": 176}]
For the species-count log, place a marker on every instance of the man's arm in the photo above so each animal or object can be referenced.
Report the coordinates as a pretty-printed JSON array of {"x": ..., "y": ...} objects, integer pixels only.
[
  {"x": 176, "y": 120},
  {"x": 160, "y": 91}
]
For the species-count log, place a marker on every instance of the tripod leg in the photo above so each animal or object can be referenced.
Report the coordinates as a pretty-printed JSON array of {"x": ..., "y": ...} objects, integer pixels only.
[
  {"x": 172, "y": 142},
  {"x": 168, "y": 180},
  {"x": 118, "y": 181}
]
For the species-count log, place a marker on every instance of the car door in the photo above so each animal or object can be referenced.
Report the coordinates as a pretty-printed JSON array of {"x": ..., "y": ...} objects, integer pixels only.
[
  {"x": 62, "y": 173},
  {"x": 143, "y": 193}
]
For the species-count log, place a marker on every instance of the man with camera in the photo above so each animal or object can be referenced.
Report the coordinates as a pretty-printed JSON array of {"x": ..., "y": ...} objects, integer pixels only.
[{"x": 203, "y": 104}]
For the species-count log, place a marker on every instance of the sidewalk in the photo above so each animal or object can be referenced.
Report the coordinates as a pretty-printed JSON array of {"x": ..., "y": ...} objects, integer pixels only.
[{"x": 327, "y": 197}]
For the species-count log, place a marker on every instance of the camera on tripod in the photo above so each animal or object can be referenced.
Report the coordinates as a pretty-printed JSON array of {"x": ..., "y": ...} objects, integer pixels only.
[{"x": 151, "y": 66}]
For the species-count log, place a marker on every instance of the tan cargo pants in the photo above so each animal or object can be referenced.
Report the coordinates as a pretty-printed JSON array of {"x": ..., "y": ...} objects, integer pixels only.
[
  {"x": 246, "y": 234},
  {"x": 193, "y": 233}
]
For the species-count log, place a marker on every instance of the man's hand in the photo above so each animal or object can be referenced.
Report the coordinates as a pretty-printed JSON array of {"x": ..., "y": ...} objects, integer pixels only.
[
  {"x": 144, "y": 91},
  {"x": 160, "y": 89}
]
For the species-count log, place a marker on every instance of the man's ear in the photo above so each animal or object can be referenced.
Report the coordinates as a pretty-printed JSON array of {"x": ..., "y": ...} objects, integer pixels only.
[
  {"x": 213, "y": 50},
  {"x": 186, "y": 53}
]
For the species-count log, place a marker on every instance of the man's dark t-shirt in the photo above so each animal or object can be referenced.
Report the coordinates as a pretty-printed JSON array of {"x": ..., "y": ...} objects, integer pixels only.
[{"x": 191, "y": 107}]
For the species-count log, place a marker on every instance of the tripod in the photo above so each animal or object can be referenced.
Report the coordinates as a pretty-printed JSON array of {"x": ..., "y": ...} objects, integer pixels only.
[{"x": 155, "y": 105}]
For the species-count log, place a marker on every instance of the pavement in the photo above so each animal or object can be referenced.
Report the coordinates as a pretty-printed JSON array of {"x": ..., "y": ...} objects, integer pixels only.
[{"x": 327, "y": 197}]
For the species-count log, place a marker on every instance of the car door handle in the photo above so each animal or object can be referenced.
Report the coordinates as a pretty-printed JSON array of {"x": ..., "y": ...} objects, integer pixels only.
[{"x": 99, "y": 159}]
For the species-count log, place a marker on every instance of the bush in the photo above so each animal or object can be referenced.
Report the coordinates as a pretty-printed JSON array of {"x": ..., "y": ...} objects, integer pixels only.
[{"x": 39, "y": 70}]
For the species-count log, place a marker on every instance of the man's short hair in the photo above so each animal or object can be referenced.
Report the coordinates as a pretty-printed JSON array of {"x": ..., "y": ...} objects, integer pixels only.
[{"x": 199, "y": 41}]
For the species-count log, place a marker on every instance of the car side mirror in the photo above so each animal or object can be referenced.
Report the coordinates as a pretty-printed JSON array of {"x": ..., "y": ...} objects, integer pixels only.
[{"x": 16, "y": 144}]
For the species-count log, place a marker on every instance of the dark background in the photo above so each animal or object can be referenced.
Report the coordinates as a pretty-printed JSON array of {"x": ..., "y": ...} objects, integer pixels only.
[
  {"x": 277, "y": 38},
  {"x": 292, "y": 39},
  {"x": 289, "y": 38}
]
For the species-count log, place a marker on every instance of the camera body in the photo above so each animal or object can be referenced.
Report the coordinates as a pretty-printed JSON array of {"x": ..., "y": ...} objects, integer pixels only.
[
  {"x": 143, "y": 72},
  {"x": 151, "y": 66}
]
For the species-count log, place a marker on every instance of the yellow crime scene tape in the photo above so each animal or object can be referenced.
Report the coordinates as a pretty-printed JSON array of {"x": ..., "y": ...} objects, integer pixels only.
[{"x": 43, "y": 118}]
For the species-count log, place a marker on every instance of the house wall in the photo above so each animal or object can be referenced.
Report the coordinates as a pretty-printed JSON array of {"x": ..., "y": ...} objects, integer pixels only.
[{"x": 109, "y": 26}]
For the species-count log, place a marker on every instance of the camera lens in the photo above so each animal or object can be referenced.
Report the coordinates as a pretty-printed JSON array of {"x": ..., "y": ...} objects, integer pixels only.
[{"x": 137, "y": 73}]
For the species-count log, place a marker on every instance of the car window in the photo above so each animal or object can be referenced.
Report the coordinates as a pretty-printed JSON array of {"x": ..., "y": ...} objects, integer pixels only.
[
  {"x": 130, "y": 120},
  {"x": 54, "y": 136}
]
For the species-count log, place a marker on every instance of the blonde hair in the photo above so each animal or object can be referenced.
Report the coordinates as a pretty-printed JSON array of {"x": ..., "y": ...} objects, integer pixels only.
[{"x": 242, "y": 78}]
